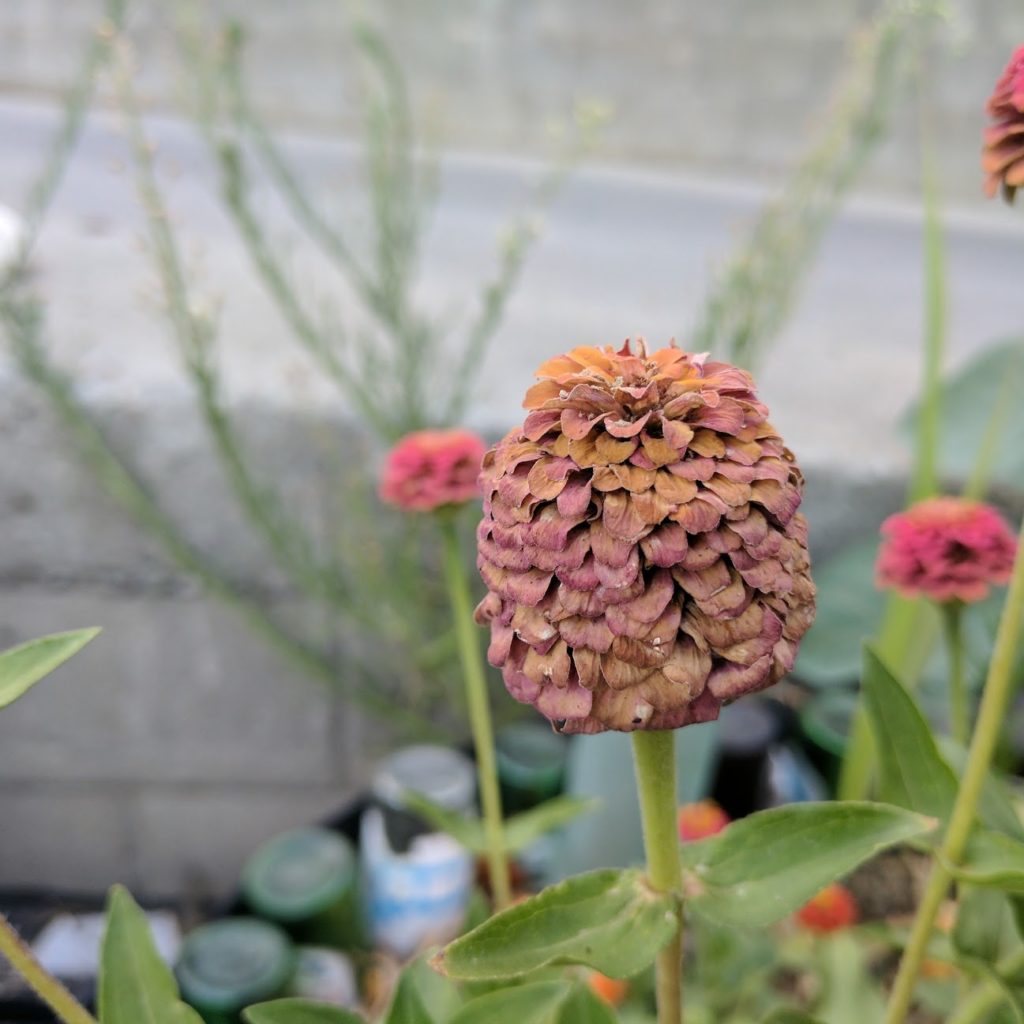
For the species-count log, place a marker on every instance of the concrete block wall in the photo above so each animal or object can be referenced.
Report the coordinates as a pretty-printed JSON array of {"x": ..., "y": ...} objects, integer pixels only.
[
  {"x": 164, "y": 752},
  {"x": 727, "y": 88}
]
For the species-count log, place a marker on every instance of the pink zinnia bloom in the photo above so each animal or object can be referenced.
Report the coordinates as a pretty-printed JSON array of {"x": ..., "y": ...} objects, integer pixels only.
[
  {"x": 946, "y": 549},
  {"x": 1003, "y": 151},
  {"x": 700, "y": 820},
  {"x": 432, "y": 468},
  {"x": 833, "y": 909}
]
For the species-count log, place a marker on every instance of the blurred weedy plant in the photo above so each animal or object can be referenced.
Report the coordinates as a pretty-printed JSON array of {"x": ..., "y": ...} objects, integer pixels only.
[
  {"x": 755, "y": 290},
  {"x": 370, "y": 576}
]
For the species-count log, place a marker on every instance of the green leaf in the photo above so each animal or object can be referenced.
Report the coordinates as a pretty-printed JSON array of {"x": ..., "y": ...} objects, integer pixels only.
[
  {"x": 135, "y": 985},
  {"x": 610, "y": 920},
  {"x": 422, "y": 997},
  {"x": 993, "y": 860},
  {"x": 731, "y": 878},
  {"x": 790, "y": 1017},
  {"x": 982, "y": 400},
  {"x": 545, "y": 1002},
  {"x": 849, "y": 611},
  {"x": 23, "y": 666},
  {"x": 995, "y": 806},
  {"x": 468, "y": 831},
  {"x": 980, "y": 918},
  {"x": 912, "y": 771},
  {"x": 298, "y": 1011},
  {"x": 522, "y": 829}
]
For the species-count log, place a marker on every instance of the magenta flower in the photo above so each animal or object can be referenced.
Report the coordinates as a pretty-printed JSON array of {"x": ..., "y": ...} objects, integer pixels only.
[
  {"x": 1003, "y": 152},
  {"x": 432, "y": 468},
  {"x": 946, "y": 549}
]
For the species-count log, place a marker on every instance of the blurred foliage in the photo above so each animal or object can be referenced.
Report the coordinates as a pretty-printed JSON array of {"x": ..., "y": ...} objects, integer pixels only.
[{"x": 754, "y": 292}]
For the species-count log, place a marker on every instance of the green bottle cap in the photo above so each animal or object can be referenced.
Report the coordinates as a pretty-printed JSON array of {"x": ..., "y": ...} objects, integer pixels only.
[
  {"x": 531, "y": 757},
  {"x": 299, "y": 874},
  {"x": 230, "y": 964}
]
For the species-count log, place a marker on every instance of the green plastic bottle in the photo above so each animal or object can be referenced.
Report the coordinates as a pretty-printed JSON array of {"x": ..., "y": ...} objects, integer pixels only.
[
  {"x": 230, "y": 964},
  {"x": 306, "y": 880},
  {"x": 531, "y": 765}
]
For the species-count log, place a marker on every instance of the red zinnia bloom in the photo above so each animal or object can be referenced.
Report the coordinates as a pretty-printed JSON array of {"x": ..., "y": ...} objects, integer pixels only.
[
  {"x": 431, "y": 468},
  {"x": 1003, "y": 152},
  {"x": 833, "y": 909},
  {"x": 700, "y": 820},
  {"x": 946, "y": 549}
]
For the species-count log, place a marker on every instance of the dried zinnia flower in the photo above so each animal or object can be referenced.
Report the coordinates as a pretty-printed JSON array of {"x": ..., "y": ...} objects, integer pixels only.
[
  {"x": 1003, "y": 151},
  {"x": 833, "y": 909},
  {"x": 432, "y": 468},
  {"x": 946, "y": 549},
  {"x": 700, "y": 820},
  {"x": 644, "y": 559}
]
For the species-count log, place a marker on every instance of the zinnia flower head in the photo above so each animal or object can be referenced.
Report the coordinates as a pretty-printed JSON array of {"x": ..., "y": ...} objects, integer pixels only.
[
  {"x": 946, "y": 549},
  {"x": 431, "y": 468},
  {"x": 1003, "y": 151},
  {"x": 644, "y": 559},
  {"x": 833, "y": 909},
  {"x": 700, "y": 820}
]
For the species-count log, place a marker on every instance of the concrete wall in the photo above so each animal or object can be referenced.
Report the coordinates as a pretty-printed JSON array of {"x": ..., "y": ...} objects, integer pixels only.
[
  {"x": 177, "y": 741},
  {"x": 727, "y": 88}
]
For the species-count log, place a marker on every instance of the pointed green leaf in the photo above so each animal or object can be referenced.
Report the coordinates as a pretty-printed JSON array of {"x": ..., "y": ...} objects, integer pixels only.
[
  {"x": 135, "y": 985},
  {"x": 299, "y": 1011},
  {"x": 993, "y": 860},
  {"x": 978, "y": 931},
  {"x": 522, "y": 829},
  {"x": 995, "y": 807},
  {"x": 732, "y": 879},
  {"x": 23, "y": 666},
  {"x": 912, "y": 771},
  {"x": 468, "y": 831},
  {"x": 545, "y": 1002},
  {"x": 610, "y": 920},
  {"x": 790, "y": 1017},
  {"x": 422, "y": 997}
]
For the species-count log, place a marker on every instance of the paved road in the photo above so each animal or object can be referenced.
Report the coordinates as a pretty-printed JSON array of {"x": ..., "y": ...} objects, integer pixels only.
[{"x": 623, "y": 254}]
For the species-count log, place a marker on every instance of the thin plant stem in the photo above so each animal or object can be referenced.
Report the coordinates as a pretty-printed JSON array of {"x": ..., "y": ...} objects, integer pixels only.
[
  {"x": 959, "y": 712},
  {"x": 654, "y": 754},
  {"x": 47, "y": 987},
  {"x": 994, "y": 700},
  {"x": 479, "y": 711}
]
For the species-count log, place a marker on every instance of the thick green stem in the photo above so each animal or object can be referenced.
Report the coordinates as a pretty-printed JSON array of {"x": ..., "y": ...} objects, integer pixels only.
[
  {"x": 48, "y": 988},
  {"x": 479, "y": 712},
  {"x": 959, "y": 712},
  {"x": 994, "y": 700},
  {"x": 655, "y": 757}
]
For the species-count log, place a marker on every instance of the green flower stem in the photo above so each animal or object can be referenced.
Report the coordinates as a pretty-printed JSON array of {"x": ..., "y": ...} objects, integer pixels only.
[
  {"x": 655, "y": 756},
  {"x": 48, "y": 988},
  {"x": 994, "y": 700},
  {"x": 959, "y": 712},
  {"x": 986, "y": 997},
  {"x": 479, "y": 711}
]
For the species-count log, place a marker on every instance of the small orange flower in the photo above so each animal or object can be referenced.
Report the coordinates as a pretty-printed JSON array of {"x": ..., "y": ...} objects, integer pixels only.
[
  {"x": 700, "y": 820},
  {"x": 611, "y": 990},
  {"x": 831, "y": 910}
]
